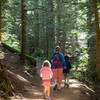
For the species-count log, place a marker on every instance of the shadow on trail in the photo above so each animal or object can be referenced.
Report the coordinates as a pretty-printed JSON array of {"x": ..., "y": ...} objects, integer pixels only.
[
  {"x": 25, "y": 85},
  {"x": 28, "y": 87}
]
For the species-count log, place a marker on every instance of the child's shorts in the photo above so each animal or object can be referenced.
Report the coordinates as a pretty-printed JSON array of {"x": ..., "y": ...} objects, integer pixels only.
[
  {"x": 66, "y": 74},
  {"x": 46, "y": 83},
  {"x": 65, "y": 71}
]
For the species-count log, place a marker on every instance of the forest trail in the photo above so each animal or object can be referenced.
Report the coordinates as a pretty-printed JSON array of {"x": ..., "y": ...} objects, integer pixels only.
[{"x": 28, "y": 87}]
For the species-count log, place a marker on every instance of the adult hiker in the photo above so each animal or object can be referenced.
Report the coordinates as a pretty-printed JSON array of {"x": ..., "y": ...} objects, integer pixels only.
[{"x": 57, "y": 64}]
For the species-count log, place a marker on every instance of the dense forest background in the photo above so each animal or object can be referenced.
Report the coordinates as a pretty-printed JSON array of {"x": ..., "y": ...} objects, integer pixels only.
[{"x": 35, "y": 27}]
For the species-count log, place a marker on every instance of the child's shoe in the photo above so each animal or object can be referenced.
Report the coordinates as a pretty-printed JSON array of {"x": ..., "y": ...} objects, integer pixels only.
[
  {"x": 45, "y": 96},
  {"x": 49, "y": 98},
  {"x": 66, "y": 85}
]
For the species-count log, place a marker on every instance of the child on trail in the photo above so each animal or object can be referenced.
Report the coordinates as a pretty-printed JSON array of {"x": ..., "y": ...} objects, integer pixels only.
[
  {"x": 66, "y": 71},
  {"x": 46, "y": 75}
]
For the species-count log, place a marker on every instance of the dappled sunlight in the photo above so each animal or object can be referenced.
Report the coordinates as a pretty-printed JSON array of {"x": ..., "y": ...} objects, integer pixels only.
[
  {"x": 37, "y": 93},
  {"x": 18, "y": 76},
  {"x": 73, "y": 81},
  {"x": 90, "y": 89},
  {"x": 21, "y": 78},
  {"x": 28, "y": 89},
  {"x": 2, "y": 55},
  {"x": 75, "y": 85},
  {"x": 32, "y": 99}
]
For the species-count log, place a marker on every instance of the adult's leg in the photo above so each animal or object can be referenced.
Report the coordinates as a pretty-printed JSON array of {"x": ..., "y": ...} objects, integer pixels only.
[
  {"x": 67, "y": 80},
  {"x": 55, "y": 78},
  {"x": 55, "y": 75},
  {"x": 65, "y": 77},
  {"x": 59, "y": 74}
]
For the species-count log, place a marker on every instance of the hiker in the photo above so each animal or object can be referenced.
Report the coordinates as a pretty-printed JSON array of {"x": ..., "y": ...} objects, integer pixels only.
[
  {"x": 66, "y": 70},
  {"x": 46, "y": 75},
  {"x": 57, "y": 63}
]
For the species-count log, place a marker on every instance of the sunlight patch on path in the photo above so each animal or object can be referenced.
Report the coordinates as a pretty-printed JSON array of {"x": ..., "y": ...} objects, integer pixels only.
[
  {"x": 2, "y": 55},
  {"x": 32, "y": 99}
]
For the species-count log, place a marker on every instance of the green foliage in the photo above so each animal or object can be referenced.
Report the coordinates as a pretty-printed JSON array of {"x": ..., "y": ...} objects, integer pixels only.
[
  {"x": 30, "y": 70},
  {"x": 80, "y": 68},
  {"x": 11, "y": 40},
  {"x": 3, "y": 84},
  {"x": 83, "y": 59},
  {"x": 40, "y": 58},
  {"x": 38, "y": 52}
]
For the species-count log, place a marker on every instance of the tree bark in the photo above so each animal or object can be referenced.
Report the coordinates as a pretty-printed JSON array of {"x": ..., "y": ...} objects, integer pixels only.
[
  {"x": 58, "y": 29},
  {"x": 36, "y": 25},
  {"x": 0, "y": 19},
  {"x": 49, "y": 27},
  {"x": 97, "y": 36},
  {"x": 23, "y": 45},
  {"x": 90, "y": 13}
]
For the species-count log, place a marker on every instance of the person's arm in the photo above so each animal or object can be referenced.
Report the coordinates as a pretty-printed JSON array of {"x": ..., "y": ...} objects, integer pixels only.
[
  {"x": 62, "y": 59},
  {"x": 51, "y": 57},
  {"x": 51, "y": 73},
  {"x": 51, "y": 60}
]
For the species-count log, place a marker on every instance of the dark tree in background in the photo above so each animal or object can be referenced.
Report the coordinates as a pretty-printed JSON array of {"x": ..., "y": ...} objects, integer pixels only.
[
  {"x": 97, "y": 35},
  {"x": 0, "y": 19},
  {"x": 23, "y": 43},
  {"x": 36, "y": 26},
  {"x": 50, "y": 38}
]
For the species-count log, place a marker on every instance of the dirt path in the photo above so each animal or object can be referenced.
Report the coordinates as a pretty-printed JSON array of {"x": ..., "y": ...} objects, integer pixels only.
[{"x": 28, "y": 87}]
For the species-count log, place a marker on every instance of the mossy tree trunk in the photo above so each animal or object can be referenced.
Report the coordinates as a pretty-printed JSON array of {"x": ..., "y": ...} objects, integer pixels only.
[
  {"x": 5, "y": 84},
  {"x": 97, "y": 36},
  {"x": 0, "y": 19}
]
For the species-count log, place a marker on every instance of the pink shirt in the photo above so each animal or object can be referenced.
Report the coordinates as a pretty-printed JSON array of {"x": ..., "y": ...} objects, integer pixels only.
[{"x": 46, "y": 73}]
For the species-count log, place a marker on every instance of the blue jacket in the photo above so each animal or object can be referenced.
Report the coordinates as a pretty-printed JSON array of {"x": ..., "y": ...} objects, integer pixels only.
[
  {"x": 61, "y": 57},
  {"x": 68, "y": 64}
]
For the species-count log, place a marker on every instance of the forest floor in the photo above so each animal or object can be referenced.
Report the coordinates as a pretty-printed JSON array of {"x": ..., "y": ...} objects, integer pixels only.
[{"x": 28, "y": 87}]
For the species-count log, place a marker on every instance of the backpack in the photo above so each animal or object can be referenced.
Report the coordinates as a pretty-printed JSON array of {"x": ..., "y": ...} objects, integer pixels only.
[
  {"x": 69, "y": 66},
  {"x": 56, "y": 60}
]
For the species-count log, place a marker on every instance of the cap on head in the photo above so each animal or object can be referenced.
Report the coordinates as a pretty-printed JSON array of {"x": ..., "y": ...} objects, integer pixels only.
[{"x": 57, "y": 48}]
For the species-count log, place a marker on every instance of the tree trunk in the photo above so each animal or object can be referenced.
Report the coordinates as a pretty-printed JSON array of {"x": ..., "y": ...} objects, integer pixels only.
[
  {"x": 50, "y": 27},
  {"x": 23, "y": 45},
  {"x": 97, "y": 36},
  {"x": 90, "y": 16},
  {"x": 36, "y": 28},
  {"x": 61, "y": 25},
  {"x": 58, "y": 29},
  {"x": 0, "y": 20}
]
